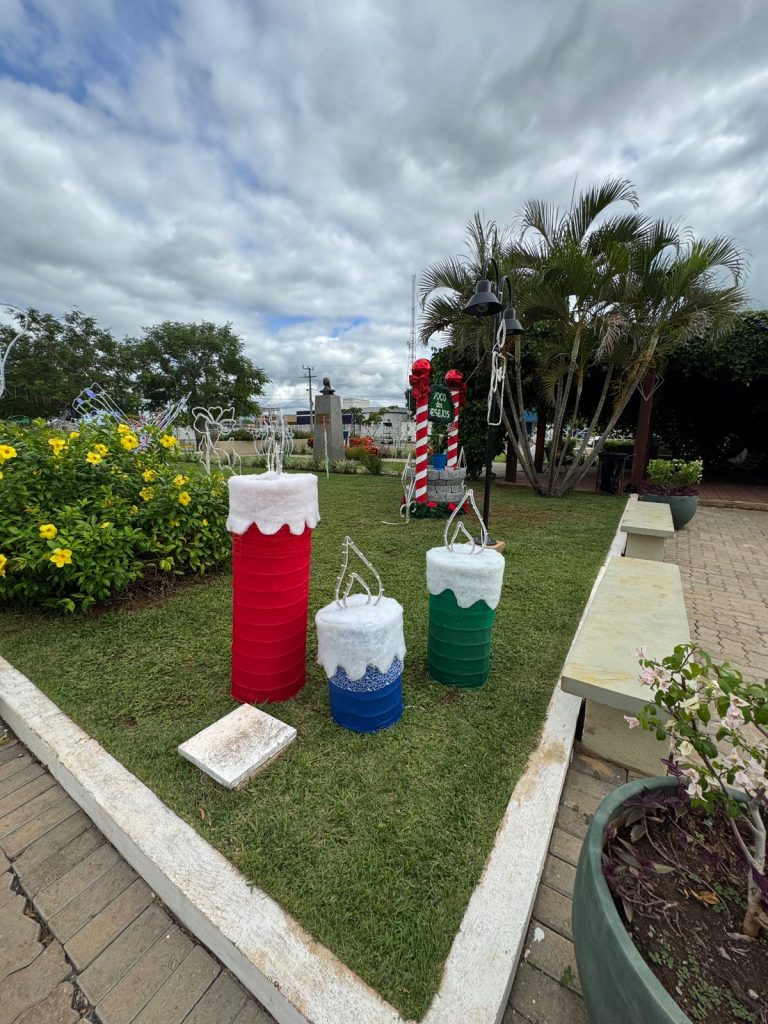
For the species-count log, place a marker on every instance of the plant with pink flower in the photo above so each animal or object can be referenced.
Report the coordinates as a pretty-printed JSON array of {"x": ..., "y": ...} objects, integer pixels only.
[{"x": 717, "y": 724}]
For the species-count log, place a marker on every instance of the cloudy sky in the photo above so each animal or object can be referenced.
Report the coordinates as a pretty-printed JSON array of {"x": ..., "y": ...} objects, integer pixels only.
[{"x": 288, "y": 165}]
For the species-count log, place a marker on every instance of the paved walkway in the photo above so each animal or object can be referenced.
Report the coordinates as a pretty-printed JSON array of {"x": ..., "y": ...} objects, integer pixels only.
[
  {"x": 82, "y": 937},
  {"x": 723, "y": 559}
]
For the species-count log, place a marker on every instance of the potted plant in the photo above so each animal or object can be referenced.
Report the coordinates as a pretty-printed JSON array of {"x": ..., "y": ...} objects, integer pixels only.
[
  {"x": 673, "y": 482},
  {"x": 669, "y": 910},
  {"x": 438, "y": 442}
]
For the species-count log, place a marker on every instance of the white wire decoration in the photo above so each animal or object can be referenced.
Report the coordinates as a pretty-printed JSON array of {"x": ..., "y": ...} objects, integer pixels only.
[
  {"x": 353, "y": 577},
  {"x": 274, "y": 440},
  {"x": 408, "y": 478},
  {"x": 6, "y": 351},
  {"x": 461, "y": 462},
  {"x": 96, "y": 403},
  {"x": 212, "y": 425},
  {"x": 498, "y": 376},
  {"x": 460, "y": 529}
]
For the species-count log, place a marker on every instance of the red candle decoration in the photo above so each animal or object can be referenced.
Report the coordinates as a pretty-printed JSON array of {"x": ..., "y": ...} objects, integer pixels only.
[
  {"x": 421, "y": 371},
  {"x": 454, "y": 380},
  {"x": 271, "y": 518}
]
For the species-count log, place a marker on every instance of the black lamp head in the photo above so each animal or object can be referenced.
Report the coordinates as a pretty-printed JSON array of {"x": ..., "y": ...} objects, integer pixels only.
[
  {"x": 511, "y": 322},
  {"x": 484, "y": 302}
]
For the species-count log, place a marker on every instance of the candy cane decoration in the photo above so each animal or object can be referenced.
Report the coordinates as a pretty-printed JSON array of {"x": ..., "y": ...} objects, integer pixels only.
[
  {"x": 454, "y": 379},
  {"x": 419, "y": 381}
]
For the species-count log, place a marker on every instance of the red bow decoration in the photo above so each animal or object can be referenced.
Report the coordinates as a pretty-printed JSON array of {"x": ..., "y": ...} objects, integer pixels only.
[
  {"x": 421, "y": 371},
  {"x": 455, "y": 381}
]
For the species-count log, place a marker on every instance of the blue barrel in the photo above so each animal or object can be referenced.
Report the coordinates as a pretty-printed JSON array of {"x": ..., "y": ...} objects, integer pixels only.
[{"x": 368, "y": 704}]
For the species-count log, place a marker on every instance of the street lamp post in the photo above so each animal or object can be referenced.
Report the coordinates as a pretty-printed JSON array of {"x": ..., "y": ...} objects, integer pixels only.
[{"x": 489, "y": 302}]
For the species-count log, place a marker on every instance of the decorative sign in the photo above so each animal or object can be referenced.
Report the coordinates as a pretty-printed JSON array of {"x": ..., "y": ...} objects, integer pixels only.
[{"x": 440, "y": 404}]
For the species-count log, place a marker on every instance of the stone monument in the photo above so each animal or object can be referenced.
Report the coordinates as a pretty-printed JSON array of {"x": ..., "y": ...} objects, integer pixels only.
[{"x": 329, "y": 431}]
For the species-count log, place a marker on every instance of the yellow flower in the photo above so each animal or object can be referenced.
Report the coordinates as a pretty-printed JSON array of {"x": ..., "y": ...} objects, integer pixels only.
[
  {"x": 3, "y": 563},
  {"x": 184, "y": 498},
  {"x": 48, "y": 531},
  {"x": 7, "y": 451},
  {"x": 168, "y": 441},
  {"x": 1, "y": 474},
  {"x": 175, "y": 522},
  {"x": 129, "y": 442},
  {"x": 146, "y": 493},
  {"x": 123, "y": 429},
  {"x": 101, "y": 449},
  {"x": 134, "y": 509},
  {"x": 205, "y": 522},
  {"x": 61, "y": 557},
  {"x": 105, "y": 525},
  {"x": 74, "y": 434},
  {"x": 93, "y": 457},
  {"x": 57, "y": 444},
  {"x": 149, "y": 475},
  {"x": 180, "y": 480}
]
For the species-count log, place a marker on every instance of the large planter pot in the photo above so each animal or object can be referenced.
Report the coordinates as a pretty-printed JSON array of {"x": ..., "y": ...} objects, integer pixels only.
[
  {"x": 618, "y": 985},
  {"x": 682, "y": 506}
]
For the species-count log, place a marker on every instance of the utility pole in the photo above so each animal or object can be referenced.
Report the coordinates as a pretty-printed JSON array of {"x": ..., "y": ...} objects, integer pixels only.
[{"x": 310, "y": 370}]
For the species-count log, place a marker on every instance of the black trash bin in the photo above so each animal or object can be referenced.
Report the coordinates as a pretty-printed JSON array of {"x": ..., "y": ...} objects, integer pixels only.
[{"x": 610, "y": 471}]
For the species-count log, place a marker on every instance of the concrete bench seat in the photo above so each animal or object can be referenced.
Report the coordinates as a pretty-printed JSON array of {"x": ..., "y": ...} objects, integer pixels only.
[
  {"x": 637, "y": 603},
  {"x": 647, "y": 525}
]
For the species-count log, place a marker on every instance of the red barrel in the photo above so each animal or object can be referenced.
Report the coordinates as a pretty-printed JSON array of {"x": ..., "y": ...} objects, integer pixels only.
[{"x": 270, "y": 599}]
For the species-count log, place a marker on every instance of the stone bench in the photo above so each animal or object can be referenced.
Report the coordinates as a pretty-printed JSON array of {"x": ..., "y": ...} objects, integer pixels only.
[
  {"x": 637, "y": 603},
  {"x": 647, "y": 525}
]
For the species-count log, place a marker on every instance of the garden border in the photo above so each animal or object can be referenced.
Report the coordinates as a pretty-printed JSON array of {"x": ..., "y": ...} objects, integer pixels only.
[{"x": 296, "y": 978}]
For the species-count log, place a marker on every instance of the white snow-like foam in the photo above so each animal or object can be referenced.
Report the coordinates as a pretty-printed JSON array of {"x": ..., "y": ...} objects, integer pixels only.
[
  {"x": 472, "y": 578},
  {"x": 359, "y": 635},
  {"x": 273, "y": 500}
]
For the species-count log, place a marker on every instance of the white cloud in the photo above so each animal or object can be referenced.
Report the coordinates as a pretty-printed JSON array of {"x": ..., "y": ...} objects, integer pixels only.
[{"x": 276, "y": 164}]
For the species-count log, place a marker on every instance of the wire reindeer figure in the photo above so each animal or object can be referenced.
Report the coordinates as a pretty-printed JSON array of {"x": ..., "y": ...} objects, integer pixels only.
[
  {"x": 274, "y": 440},
  {"x": 212, "y": 425}
]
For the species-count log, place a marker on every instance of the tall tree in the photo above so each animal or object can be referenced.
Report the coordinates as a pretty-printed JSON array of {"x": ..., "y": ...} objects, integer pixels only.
[
  {"x": 55, "y": 359},
  {"x": 205, "y": 361}
]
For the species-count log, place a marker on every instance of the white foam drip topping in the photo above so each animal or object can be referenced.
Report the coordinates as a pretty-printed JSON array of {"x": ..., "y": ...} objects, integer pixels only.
[
  {"x": 359, "y": 635},
  {"x": 273, "y": 500},
  {"x": 472, "y": 578}
]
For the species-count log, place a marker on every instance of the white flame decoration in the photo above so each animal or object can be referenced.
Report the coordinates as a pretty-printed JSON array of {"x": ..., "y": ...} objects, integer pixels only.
[
  {"x": 5, "y": 352},
  {"x": 274, "y": 440},
  {"x": 353, "y": 577},
  {"x": 477, "y": 549},
  {"x": 214, "y": 424},
  {"x": 461, "y": 462}
]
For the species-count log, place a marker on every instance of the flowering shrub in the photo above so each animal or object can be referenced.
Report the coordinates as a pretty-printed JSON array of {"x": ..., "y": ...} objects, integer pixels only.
[
  {"x": 673, "y": 476},
  {"x": 85, "y": 514},
  {"x": 718, "y": 726}
]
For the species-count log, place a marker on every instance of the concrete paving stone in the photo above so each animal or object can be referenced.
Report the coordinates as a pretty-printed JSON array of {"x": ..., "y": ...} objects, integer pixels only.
[
  {"x": 578, "y": 800},
  {"x": 6, "y": 892},
  {"x": 252, "y": 1013},
  {"x": 26, "y": 771},
  {"x": 597, "y": 768},
  {"x": 30, "y": 809},
  {"x": 15, "y": 764},
  {"x": 56, "y": 1009},
  {"x": 221, "y": 1003},
  {"x": 85, "y": 946},
  {"x": 559, "y": 875},
  {"x": 19, "y": 937},
  {"x": 64, "y": 890},
  {"x": 25, "y": 794},
  {"x": 28, "y": 986},
  {"x": 552, "y": 954},
  {"x": 540, "y": 1000},
  {"x": 132, "y": 993},
  {"x": 554, "y": 910},
  {"x": 74, "y": 916},
  {"x": 185, "y": 987},
  {"x": 573, "y": 822},
  {"x": 513, "y": 1017},
  {"x": 10, "y": 751},
  {"x": 120, "y": 956},
  {"x": 588, "y": 785},
  {"x": 565, "y": 846},
  {"x": 4, "y": 862},
  {"x": 43, "y": 874},
  {"x": 52, "y": 841}
]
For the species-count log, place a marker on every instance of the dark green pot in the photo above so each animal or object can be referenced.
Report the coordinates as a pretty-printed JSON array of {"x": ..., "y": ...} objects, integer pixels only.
[
  {"x": 618, "y": 985},
  {"x": 682, "y": 506}
]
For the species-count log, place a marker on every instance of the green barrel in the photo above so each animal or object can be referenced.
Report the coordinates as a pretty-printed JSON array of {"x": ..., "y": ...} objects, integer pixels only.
[{"x": 459, "y": 646}]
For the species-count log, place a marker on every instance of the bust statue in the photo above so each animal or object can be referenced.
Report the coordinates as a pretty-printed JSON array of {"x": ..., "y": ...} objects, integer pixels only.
[{"x": 327, "y": 389}]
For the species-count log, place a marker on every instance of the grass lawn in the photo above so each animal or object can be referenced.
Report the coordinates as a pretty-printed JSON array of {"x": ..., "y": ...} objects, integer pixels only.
[{"x": 373, "y": 842}]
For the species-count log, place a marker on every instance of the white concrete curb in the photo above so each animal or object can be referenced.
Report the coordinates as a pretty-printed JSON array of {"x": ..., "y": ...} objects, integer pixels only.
[{"x": 297, "y": 979}]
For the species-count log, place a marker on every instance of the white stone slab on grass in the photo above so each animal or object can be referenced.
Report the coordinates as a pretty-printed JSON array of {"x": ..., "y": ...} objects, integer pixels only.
[{"x": 238, "y": 745}]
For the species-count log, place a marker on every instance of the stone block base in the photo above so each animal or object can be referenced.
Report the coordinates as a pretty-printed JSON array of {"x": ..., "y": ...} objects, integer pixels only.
[{"x": 445, "y": 485}]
